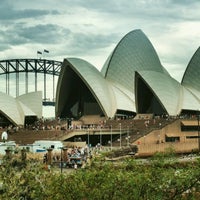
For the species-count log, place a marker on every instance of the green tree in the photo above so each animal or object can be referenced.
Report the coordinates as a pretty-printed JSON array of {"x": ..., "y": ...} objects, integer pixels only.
[{"x": 161, "y": 177}]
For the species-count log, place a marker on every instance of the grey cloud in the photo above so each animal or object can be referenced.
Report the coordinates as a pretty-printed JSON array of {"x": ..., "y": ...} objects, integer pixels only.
[
  {"x": 75, "y": 43},
  {"x": 13, "y": 14},
  {"x": 184, "y": 2},
  {"x": 4, "y": 47},
  {"x": 70, "y": 44},
  {"x": 146, "y": 9},
  {"x": 8, "y": 12},
  {"x": 82, "y": 43},
  {"x": 41, "y": 34}
]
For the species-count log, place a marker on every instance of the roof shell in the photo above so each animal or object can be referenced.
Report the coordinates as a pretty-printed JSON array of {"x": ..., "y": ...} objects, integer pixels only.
[
  {"x": 191, "y": 76},
  {"x": 9, "y": 108},
  {"x": 33, "y": 103},
  {"x": 189, "y": 97},
  {"x": 133, "y": 53},
  {"x": 124, "y": 98},
  {"x": 95, "y": 82},
  {"x": 165, "y": 88},
  {"x": 15, "y": 110}
]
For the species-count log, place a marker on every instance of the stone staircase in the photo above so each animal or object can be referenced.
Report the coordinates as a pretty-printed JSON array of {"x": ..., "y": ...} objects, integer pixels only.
[
  {"x": 136, "y": 128},
  {"x": 23, "y": 136}
]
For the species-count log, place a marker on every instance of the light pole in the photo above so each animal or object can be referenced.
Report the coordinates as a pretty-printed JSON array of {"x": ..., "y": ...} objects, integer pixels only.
[
  {"x": 144, "y": 139},
  {"x": 159, "y": 143},
  {"x": 100, "y": 137},
  {"x": 198, "y": 131},
  {"x": 111, "y": 137},
  {"x": 88, "y": 141},
  {"x": 120, "y": 139},
  {"x": 128, "y": 136},
  {"x": 61, "y": 160}
]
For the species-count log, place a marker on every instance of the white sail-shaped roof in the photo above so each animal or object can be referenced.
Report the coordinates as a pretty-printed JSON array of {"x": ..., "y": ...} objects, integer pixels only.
[
  {"x": 124, "y": 98},
  {"x": 33, "y": 103},
  {"x": 133, "y": 53},
  {"x": 189, "y": 100},
  {"x": 165, "y": 88},
  {"x": 192, "y": 73},
  {"x": 16, "y": 109},
  {"x": 94, "y": 81},
  {"x": 10, "y": 109}
]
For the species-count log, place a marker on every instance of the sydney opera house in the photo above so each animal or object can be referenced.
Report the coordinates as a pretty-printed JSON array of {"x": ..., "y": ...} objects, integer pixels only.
[{"x": 131, "y": 81}]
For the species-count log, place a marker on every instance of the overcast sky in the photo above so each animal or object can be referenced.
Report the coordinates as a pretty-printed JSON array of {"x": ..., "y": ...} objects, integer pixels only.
[{"x": 90, "y": 29}]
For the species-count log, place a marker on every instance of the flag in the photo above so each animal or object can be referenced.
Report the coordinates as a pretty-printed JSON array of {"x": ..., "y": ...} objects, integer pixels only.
[
  {"x": 39, "y": 52},
  {"x": 46, "y": 51}
]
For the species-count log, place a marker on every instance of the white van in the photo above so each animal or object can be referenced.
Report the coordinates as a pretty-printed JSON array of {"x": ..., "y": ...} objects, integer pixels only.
[{"x": 46, "y": 144}]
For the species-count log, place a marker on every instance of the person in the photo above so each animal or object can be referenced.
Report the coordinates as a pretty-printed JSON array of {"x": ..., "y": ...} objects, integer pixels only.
[
  {"x": 45, "y": 158},
  {"x": 49, "y": 167},
  {"x": 75, "y": 166},
  {"x": 4, "y": 136}
]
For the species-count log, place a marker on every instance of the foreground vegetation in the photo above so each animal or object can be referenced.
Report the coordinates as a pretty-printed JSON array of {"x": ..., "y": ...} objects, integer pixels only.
[{"x": 162, "y": 177}]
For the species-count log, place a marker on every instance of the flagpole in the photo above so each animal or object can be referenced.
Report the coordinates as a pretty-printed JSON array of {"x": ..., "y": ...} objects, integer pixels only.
[
  {"x": 45, "y": 52},
  {"x": 39, "y": 52}
]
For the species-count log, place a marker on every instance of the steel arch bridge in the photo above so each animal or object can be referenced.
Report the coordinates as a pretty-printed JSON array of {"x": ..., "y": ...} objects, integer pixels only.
[{"x": 27, "y": 66}]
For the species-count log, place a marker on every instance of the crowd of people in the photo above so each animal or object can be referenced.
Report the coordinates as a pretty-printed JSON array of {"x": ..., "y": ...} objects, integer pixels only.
[{"x": 72, "y": 157}]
